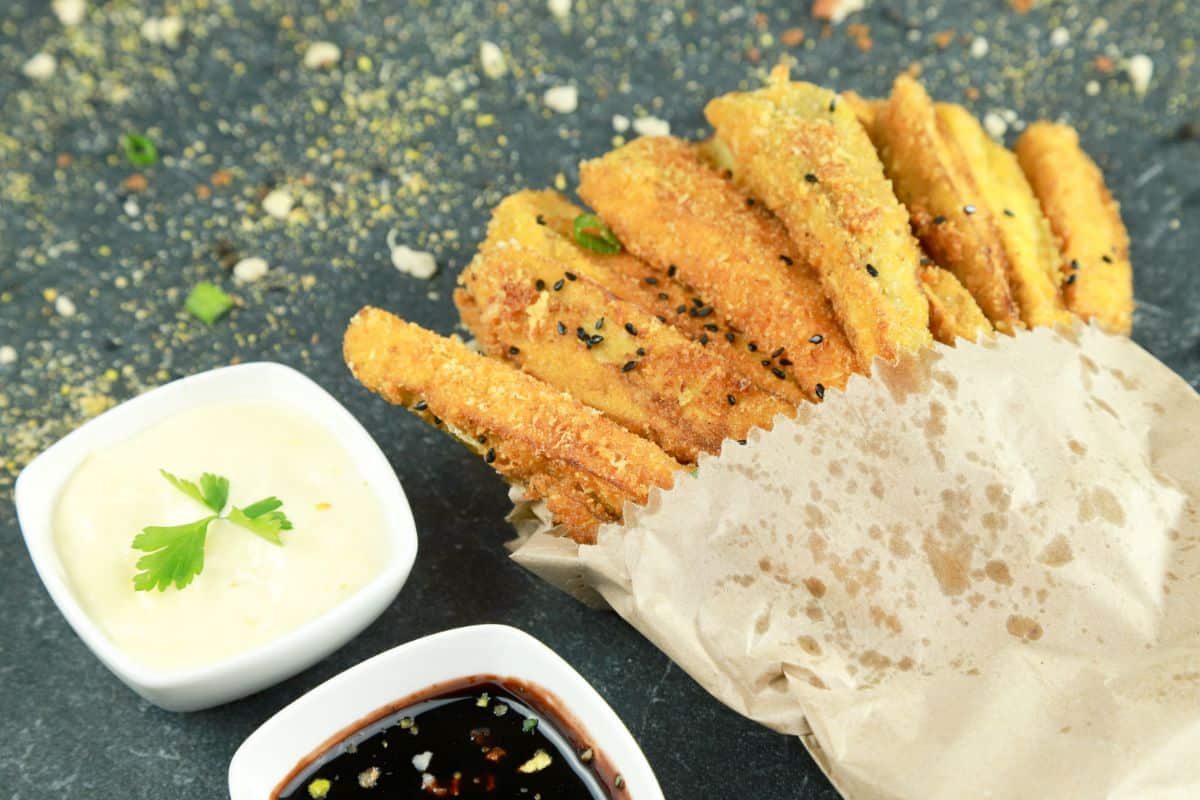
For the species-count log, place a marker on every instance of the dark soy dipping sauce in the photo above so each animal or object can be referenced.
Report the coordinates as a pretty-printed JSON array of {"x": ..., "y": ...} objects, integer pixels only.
[{"x": 470, "y": 738}]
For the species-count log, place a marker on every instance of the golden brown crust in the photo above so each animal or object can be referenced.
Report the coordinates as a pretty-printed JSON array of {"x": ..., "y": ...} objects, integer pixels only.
[
  {"x": 673, "y": 211},
  {"x": 1025, "y": 233},
  {"x": 841, "y": 221},
  {"x": 866, "y": 109},
  {"x": 948, "y": 214},
  {"x": 953, "y": 313},
  {"x": 1098, "y": 281},
  {"x": 583, "y": 465},
  {"x": 516, "y": 219},
  {"x": 608, "y": 353}
]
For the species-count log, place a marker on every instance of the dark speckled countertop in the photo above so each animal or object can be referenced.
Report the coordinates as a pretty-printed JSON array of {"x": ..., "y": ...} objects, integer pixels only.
[{"x": 404, "y": 134}]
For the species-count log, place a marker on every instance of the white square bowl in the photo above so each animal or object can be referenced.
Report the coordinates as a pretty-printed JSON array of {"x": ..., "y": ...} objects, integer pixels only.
[
  {"x": 40, "y": 483},
  {"x": 273, "y": 751}
]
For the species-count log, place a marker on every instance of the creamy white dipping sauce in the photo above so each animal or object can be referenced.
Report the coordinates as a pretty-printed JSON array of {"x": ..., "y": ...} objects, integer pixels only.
[{"x": 250, "y": 591}]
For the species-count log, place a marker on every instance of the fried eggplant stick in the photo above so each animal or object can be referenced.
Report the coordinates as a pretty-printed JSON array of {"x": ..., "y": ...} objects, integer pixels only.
[
  {"x": 1098, "y": 281},
  {"x": 953, "y": 313},
  {"x": 584, "y": 466},
  {"x": 679, "y": 215},
  {"x": 866, "y": 109},
  {"x": 568, "y": 331},
  {"x": 933, "y": 180},
  {"x": 806, "y": 156},
  {"x": 1029, "y": 244},
  {"x": 543, "y": 221}
]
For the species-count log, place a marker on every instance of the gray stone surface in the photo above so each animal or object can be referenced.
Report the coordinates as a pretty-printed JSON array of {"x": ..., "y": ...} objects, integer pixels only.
[{"x": 405, "y": 135}]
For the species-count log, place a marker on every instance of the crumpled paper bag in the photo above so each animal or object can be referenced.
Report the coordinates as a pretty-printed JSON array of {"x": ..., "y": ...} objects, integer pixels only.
[{"x": 976, "y": 575}]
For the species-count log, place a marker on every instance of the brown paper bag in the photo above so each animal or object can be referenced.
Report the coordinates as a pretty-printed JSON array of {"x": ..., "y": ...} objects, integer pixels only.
[{"x": 975, "y": 575}]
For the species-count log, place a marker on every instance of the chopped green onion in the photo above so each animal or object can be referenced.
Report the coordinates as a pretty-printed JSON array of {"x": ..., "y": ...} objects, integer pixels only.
[
  {"x": 529, "y": 725},
  {"x": 592, "y": 233},
  {"x": 207, "y": 303},
  {"x": 139, "y": 149}
]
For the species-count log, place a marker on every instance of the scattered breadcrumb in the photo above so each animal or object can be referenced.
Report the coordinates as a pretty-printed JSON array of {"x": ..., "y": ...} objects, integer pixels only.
[
  {"x": 40, "y": 67},
  {"x": 835, "y": 11},
  {"x": 1140, "y": 69},
  {"x": 561, "y": 9},
  {"x": 421, "y": 760},
  {"x": 979, "y": 47},
  {"x": 251, "y": 269},
  {"x": 1091, "y": 88},
  {"x": 491, "y": 58},
  {"x": 322, "y": 54},
  {"x": 278, "y": 203},
  {"x": 163, "y": 30},
  {"x": 651, "y": 126},
  {"x": 64, "y": 306},
  {"x": 995, "y": 125},
  {"x": 561, "y": 99},
  {"x": 69, "y": 12},
  {"x": 417, "y": 263},
  {"x": 8, "y": 355},
  {"x": 1059, "y": 37},
  {"x": 620, "y": 123}
]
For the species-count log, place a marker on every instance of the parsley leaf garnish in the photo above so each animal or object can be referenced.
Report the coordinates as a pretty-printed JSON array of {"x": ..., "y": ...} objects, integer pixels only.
[{"x": 175, "y": 553}]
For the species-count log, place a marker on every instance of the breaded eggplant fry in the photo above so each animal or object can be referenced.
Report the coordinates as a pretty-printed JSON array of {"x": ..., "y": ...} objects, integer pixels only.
[
  {"x": 584, "y": 466},
  {"x": 948, "y": 213},
  {"x": 953, "y": 313},
  {"x": 866, "y": 109},
  {"x": 1098, "y": 281},
  {"x": 608, "y": 353},
  {"x": 1033, "y": 257},
  {"x": 676, "y": 213},
  {"x": 807, "y": 157},
  {"x": 543, "y": 221}
]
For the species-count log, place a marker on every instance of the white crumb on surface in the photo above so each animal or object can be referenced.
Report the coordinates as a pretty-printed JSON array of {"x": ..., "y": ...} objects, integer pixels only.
[
  {"x": 322, "y": 54},
  {"x": 421, "y": 760},
  {"x": 64, "y": 306},
  {"x": 995, "y": 125},
  {"x": 492, "y": 60},
  {"x": 416, "y": 263},
  {"x": 163, "y": 30},
  {"x": 620, "y": 123},
  {"x": 8, "y": 354},
  {"x": 278, "y": 203},
  {"x": 1091, "y": 88},
  {"x": 1140, "y": 69},
  {"x": 560, "y": 9},
  {"x": 651, "y": 126},
  {"x": 979, "y": 47},
  {"x": 561, "y": 99},
  {"x": 1059, "y": 37},
  {"x": 69, "y": 12},
  {"x": 40, "y": 67},
  {"x": 250, "y": 269}
]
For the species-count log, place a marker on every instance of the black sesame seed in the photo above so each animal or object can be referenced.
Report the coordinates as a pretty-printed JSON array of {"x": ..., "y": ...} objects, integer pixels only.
[
  {"x": 561, "y": 329},
  {"x": 680, "y": 309},
  {"x": 539, "y": 284},
  {"x": 778, "y": 373},
  {"x": 874, "y": 273},
  {"x": 777, "y": 352},
  {"x": 702, "y": 312},
  {"x": 766, "y": 363},
  {"x": 1107, "y": 259},
  {"x": 925, "y": 262},
  {"x": 632, "y": 331},
  {"x": 786, "y": 259},
  {"x": 664, "y": 296},
  {"x": 660, "y": 318},
  {"x": 749, "y": 202},
  {"x": 1008, "y": 212},
  {"x": 697, "y": 302},
  {"x": 491, "y": 456},
  {"x": 820, "y": 391},
  {"x": 596, "y": 339},
  {"x": 816, "y": 338},
  {"x": 968, "y": 209},
  {"x": 732, "y": 400},
  {"x": 570, "y": 275},
  {"x": 641, "y": 351},
  {"x": 785, "y": 362},
  {"x": 729, "y": 337},
  {"x": 1074, "y": 263},
  {"x": 437, "y": 420},
  {"x": 833, "y": 104},
  {"x": 558, "y": 284},
  {"x": 711, "y": 327},
  {"x": 808, "y": 176},
  {"x": 939, "y": 219},
  {"x": 581, "y": 334},
  {"x": 629, "y": 365},
  {"x": 1070, "y": 279},
  {"x": 704, "y": 340},
  {"x": 671, "y": 270},
  {"x": 541, "y": 220},
  {"x": 513, "y": 350},
  {"x": 420, "y": 405},
  {"x": 600, "y": 323},
  {"x": 650, "y": 279},
  {"x": 741, "y": 442},
  {"x": 752, "y": 347},
  {"x": 482, "y": 439}
]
